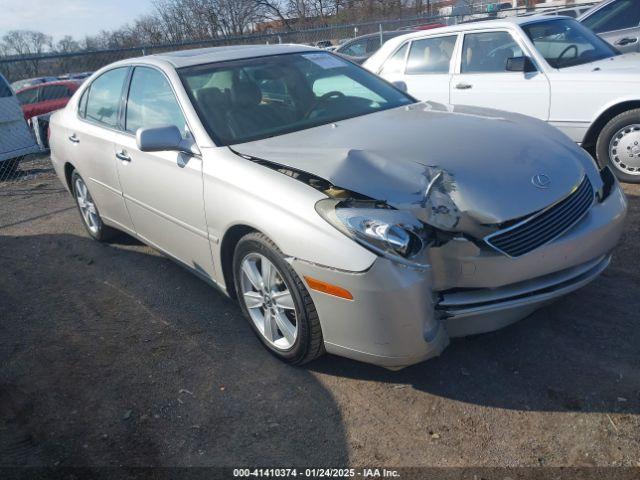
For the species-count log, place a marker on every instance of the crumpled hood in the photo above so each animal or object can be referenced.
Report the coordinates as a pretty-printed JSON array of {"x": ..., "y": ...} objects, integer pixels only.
[
  {"x": 453, "y": 167},
  {"x": 629, "y": 63}
]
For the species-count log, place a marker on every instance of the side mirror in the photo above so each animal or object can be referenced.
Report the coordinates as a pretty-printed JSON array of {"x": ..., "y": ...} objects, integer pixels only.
[
  {"x": 164, "y": 139},
  {"x": 520, "y": 64},
  {"x": 400, "y": 85}
]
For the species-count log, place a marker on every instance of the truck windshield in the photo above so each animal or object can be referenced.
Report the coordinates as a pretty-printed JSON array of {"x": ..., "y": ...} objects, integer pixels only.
[
  {"x": 567, "y": 43},
  {"x": 262, "y": 97}
]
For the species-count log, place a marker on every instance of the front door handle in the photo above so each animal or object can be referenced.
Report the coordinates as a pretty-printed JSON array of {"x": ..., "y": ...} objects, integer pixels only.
[
  {"x": 122, "y": 155},
  {"x": 74, "y": 139},
  {"x": 464, "y": 86},
  {"x": 626, "y": 41}
]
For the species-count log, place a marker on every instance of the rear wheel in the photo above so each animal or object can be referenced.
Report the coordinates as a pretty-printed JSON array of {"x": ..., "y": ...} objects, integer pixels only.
[
  {"x": 619, "y": 146},
  {"x": 89, "y": 211},
  {"x": 275, "y": 301}
]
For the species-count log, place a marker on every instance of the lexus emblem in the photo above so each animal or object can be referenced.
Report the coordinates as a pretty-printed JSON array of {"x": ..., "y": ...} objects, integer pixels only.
[{"x": 541, "y": 180}]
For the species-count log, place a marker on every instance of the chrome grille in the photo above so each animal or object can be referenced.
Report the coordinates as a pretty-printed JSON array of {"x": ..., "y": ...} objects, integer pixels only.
[{"x": 544, "y": 226}]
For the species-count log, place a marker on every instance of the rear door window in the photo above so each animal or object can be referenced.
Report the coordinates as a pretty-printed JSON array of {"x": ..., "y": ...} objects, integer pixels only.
[
  {"x": 395, "y": 63},
  {"x": 104, "y": 97},
  {"x": 431, "y": 55}
]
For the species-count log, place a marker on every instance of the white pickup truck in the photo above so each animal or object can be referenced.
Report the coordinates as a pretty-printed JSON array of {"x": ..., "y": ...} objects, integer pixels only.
[{"x": 554, "y": 69}]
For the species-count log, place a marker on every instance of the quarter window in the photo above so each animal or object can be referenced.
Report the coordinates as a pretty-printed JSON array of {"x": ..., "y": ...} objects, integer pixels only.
[
  {"x": 395, "y": 63},
  {"x": 430, "y": 55},
  {"x": 488, "y": 52},
  {"x": 82, "y": 104},
  {"x": 151, "y": 102},
  {"x": 104, "y": 97},
  {"x": 614, "y": 16},
  {"x": 356, "y": 49}
]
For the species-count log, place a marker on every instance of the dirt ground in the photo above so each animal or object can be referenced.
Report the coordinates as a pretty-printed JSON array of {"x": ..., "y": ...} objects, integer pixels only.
[{"x": 114, "y": 355}]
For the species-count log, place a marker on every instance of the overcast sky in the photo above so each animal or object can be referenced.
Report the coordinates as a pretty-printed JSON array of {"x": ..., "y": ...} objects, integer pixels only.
[{"x": 69, "y": 17}]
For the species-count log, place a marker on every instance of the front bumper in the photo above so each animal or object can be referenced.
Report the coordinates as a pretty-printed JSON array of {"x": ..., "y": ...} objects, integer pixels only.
[{"x": 400, "y": 316}]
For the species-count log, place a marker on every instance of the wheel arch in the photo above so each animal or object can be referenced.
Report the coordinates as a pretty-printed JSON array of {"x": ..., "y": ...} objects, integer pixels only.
[
  {"x": 68, "y": 171},
  {"x": 227, "y": 246},
  {"x": 591, "y": 137}
]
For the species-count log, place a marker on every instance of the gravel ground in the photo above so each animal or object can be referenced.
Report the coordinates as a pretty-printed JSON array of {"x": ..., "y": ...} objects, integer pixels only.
[{"x": 114, "y": 355}]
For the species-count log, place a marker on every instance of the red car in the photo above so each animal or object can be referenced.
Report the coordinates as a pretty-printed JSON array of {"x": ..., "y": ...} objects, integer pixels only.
[
  {"x": 428, "y": 26},
  {"x": 46, "y": 97}
]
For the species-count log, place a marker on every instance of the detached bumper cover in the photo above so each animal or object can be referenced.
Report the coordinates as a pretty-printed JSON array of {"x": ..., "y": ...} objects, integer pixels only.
[{"x": 478, "y": 311}]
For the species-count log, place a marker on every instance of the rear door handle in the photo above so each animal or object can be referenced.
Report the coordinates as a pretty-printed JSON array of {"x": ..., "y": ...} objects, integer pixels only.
[
  {"x": 74, "y": 139},
  {"x": 122, "y": 155},
  {"x": 626, "y": 41},
  {"x": 464, "y": 86}
]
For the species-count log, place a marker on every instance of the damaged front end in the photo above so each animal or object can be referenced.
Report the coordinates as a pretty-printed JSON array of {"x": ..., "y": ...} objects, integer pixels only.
[{"x": 403, "y": 235}]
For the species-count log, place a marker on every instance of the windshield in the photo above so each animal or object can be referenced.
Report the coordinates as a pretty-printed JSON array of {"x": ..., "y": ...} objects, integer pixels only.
[
  {"x": 263, "y": 97},
  {"x": 566, "y": 43}
]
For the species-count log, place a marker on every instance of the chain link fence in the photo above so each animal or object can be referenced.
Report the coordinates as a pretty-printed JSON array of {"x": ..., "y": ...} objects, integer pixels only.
[{"x": 78, "y": 64}]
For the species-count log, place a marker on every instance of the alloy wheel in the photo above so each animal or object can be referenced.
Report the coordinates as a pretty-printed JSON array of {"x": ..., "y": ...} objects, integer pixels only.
[
  {"x": 624, "y": 149},
  {"x": 87, "y": 206},
  {"x": 269, "y": 301}
]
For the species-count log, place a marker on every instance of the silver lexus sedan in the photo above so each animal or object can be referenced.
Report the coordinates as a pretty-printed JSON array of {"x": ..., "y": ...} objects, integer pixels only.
[{"x": 342, "y": 214}]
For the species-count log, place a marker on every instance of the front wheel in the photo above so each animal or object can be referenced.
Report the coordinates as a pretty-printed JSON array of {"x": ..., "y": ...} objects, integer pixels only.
[
  {"x": 619, "y": 146},
  {"x": 89, "y": 211},
  {"x": 275, "y": 301}
]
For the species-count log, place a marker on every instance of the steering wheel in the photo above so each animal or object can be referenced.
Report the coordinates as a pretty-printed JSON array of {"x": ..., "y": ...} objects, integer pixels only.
[
  {"x": 566, "y": 50},
  {"x": 323, "y": 99}
]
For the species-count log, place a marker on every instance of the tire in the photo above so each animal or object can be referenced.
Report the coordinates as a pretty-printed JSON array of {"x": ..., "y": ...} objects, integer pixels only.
[
  {"x": 253, "y": 248},
  {"x": 618, "y": 146},
  {"x": 89, "y": 211},
  {"x": 8, "y": 168}
]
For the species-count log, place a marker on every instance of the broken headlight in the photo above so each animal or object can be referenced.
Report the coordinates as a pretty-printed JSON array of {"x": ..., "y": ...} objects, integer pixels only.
[{"x": 393, "y": 234}]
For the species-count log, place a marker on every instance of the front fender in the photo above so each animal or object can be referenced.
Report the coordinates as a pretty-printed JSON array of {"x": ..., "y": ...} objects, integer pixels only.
[{"x": 238, "y": 191}]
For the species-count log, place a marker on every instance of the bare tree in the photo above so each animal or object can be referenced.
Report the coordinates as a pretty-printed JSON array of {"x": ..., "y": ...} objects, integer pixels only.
[{"x": 26, "y": 43}]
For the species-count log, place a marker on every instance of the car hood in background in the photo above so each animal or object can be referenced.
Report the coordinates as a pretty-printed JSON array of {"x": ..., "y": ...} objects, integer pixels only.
[
  {"x": 457, "y": 168},
  {"x": 620, "y": 64}
]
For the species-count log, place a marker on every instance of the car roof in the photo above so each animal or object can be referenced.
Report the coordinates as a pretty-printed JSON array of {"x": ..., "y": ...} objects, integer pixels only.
[
  {"x": 375, "y": 34},
  {"x": 66, "y": 83},
  {"x": 480, "y": 24},
  {"x": 199, "y": 56}
]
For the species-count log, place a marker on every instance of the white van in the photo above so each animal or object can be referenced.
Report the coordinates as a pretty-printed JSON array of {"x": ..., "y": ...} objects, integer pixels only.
[{"x": 16, "y": 139}]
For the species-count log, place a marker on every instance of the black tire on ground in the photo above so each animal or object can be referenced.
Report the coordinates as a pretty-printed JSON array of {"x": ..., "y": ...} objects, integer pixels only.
[
  {"x": 617, "y": 123},
  {"x": 8, "y": 168},
  {"x": 103, "y": 232},
  {"x": 309, "y": 343}
]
